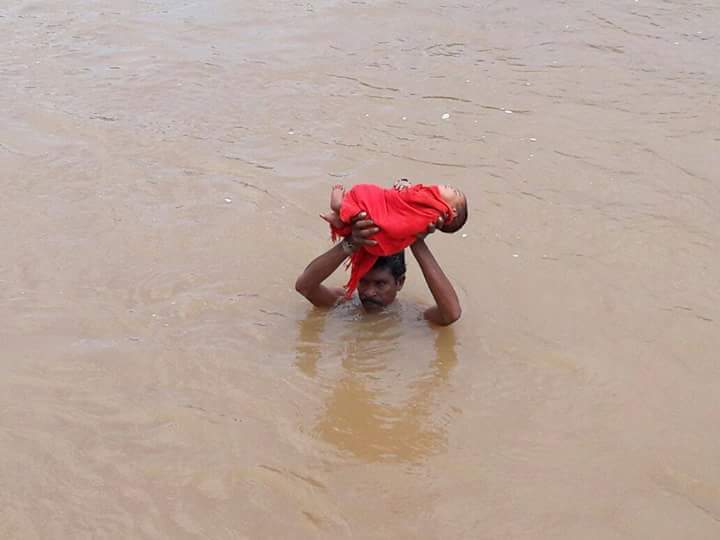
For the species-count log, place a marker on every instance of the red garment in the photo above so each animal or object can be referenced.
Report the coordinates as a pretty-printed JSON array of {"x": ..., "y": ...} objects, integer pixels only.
[{"x": 400, "y": 215}]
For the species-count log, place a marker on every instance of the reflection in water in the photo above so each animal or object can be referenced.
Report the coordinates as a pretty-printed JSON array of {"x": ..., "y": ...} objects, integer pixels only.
[{"x": 377, "y": 407}]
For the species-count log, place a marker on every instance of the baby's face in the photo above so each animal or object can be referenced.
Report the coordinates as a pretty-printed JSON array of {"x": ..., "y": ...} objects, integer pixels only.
[{"x": 452, "y": 196}]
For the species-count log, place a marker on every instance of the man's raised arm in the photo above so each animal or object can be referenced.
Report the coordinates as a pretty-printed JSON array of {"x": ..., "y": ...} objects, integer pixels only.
[
  {"x": 310, "y": 282},
  {"x": 447, "y": 306}
]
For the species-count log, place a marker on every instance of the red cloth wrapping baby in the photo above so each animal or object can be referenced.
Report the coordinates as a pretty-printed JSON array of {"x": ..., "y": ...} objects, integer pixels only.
[{"x": 400, "y": 215}]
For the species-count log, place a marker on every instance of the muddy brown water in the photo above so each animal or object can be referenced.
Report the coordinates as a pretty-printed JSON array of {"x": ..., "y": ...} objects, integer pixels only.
[{"x": 162, "y": 166}]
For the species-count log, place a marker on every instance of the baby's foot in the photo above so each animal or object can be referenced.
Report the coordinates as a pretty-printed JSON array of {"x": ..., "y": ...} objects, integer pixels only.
[
  {"x": 402, "y": 184},
  {"x": 336, "y": 197},
  {"x": 333, "y": 218}
]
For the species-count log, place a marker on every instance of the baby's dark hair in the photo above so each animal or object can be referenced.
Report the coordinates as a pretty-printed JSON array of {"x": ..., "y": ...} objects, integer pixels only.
[{"x": 460, "y": 219}]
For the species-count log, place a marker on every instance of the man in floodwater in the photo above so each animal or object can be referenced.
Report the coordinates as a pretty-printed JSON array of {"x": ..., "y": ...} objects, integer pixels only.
[{"x": 379, "y": 287}]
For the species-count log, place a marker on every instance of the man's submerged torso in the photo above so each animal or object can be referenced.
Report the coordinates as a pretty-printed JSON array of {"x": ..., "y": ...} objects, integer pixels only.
[{"x": 396, "y": 312}]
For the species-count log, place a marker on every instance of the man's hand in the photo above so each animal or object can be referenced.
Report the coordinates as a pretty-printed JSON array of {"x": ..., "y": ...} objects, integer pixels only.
[
  {"x": 362, "y": 229},
  {"x": 431, "y": 228},
  {"x": 310, "y": 282}
]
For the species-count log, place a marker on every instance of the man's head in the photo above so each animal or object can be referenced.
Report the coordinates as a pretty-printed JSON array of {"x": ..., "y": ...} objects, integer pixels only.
[{"x": 379, "y": 287}]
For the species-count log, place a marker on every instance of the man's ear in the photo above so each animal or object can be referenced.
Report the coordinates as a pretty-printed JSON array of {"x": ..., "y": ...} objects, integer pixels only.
[{"x": 400, "y": 282}]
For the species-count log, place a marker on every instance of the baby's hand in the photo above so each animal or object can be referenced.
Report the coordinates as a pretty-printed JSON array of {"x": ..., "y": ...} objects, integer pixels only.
[{"x": 401, "y": 184}]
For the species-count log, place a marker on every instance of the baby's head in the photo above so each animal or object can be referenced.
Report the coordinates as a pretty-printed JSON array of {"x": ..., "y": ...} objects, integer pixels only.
[{"x": 456, "y": 200}]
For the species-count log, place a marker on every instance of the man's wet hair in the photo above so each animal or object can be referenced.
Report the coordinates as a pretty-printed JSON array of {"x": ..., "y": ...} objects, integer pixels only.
[
  {"x": 395, "y": 263},
  {"x": 457, "y": 223}
]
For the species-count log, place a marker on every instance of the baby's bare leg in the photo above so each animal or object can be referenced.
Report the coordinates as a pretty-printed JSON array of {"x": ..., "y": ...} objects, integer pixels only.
[
  {"x": 333, "y": 219},
  {"x": 336, "y": 198}
]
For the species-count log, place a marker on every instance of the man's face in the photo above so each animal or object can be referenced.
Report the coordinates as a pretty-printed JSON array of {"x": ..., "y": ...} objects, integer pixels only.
[{"x": 378, "y": 288}]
